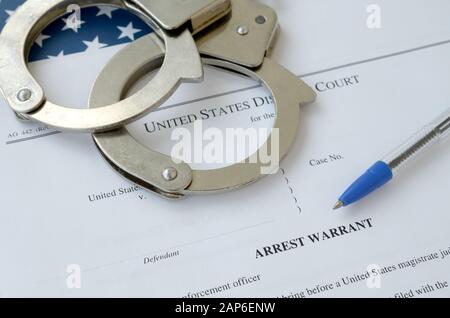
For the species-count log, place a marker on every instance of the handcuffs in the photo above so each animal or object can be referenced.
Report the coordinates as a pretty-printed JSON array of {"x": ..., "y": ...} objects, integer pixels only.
[
  {"x": 234, "y": 35},
  {"x": 173, "y": 24}
]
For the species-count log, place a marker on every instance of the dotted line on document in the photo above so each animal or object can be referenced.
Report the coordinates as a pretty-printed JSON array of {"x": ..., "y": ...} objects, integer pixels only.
[{"x": 294, "y": 197}]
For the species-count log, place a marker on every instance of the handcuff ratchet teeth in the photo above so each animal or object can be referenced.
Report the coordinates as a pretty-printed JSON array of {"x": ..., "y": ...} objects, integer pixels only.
[
  {"x": 173, "y": 22},
  {"x": 249, "y": 25}
]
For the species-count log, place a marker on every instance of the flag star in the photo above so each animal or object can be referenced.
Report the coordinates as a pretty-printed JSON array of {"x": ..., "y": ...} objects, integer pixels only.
[
  {"x": 52, "y": 57},
  {"x": 128, "y": 31},
  {"x": 106, "y": 10},
  {"x": 94, "y": 44},
  {"x": 9, "y": 13},
  {"x": 72, "y": 23},
  {"x": 40, "y": 39}
]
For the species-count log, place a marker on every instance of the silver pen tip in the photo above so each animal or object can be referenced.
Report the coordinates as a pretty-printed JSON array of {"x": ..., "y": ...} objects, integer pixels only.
[{"x": 338, "y": 205}]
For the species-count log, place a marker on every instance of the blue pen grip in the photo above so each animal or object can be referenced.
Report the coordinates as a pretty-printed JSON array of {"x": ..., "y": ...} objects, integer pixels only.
[{"x": 377, "y": 175}]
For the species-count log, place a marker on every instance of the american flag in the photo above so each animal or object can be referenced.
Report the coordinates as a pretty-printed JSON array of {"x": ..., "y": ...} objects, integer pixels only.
[{"x": 78, "y": 31}]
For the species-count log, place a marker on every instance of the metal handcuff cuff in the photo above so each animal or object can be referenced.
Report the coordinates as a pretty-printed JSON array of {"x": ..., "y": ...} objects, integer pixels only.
[
  {"x": 249, "y": 25},
  {"x": 173, "y": 23}
]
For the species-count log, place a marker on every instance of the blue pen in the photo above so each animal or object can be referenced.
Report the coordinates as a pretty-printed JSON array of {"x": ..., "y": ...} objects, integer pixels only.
[{"x": 383, "y": 171}]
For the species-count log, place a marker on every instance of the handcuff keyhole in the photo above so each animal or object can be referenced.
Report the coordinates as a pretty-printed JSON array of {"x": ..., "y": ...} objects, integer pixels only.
[{"x": 260, "y": 19}]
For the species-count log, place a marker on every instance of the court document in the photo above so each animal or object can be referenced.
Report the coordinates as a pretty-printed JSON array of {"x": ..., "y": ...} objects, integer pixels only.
[{"x": 71, "y": 226}]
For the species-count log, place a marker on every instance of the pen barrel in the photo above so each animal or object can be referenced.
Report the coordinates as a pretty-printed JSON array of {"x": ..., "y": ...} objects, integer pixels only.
[
  {"x": 429, "y": 135},
  {"x": 444, "y": 128},
  {"x": 410, "y": 149}
]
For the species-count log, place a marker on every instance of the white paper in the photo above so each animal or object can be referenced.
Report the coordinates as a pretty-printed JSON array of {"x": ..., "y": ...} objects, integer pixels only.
[{"x": 51, "y": 225}]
